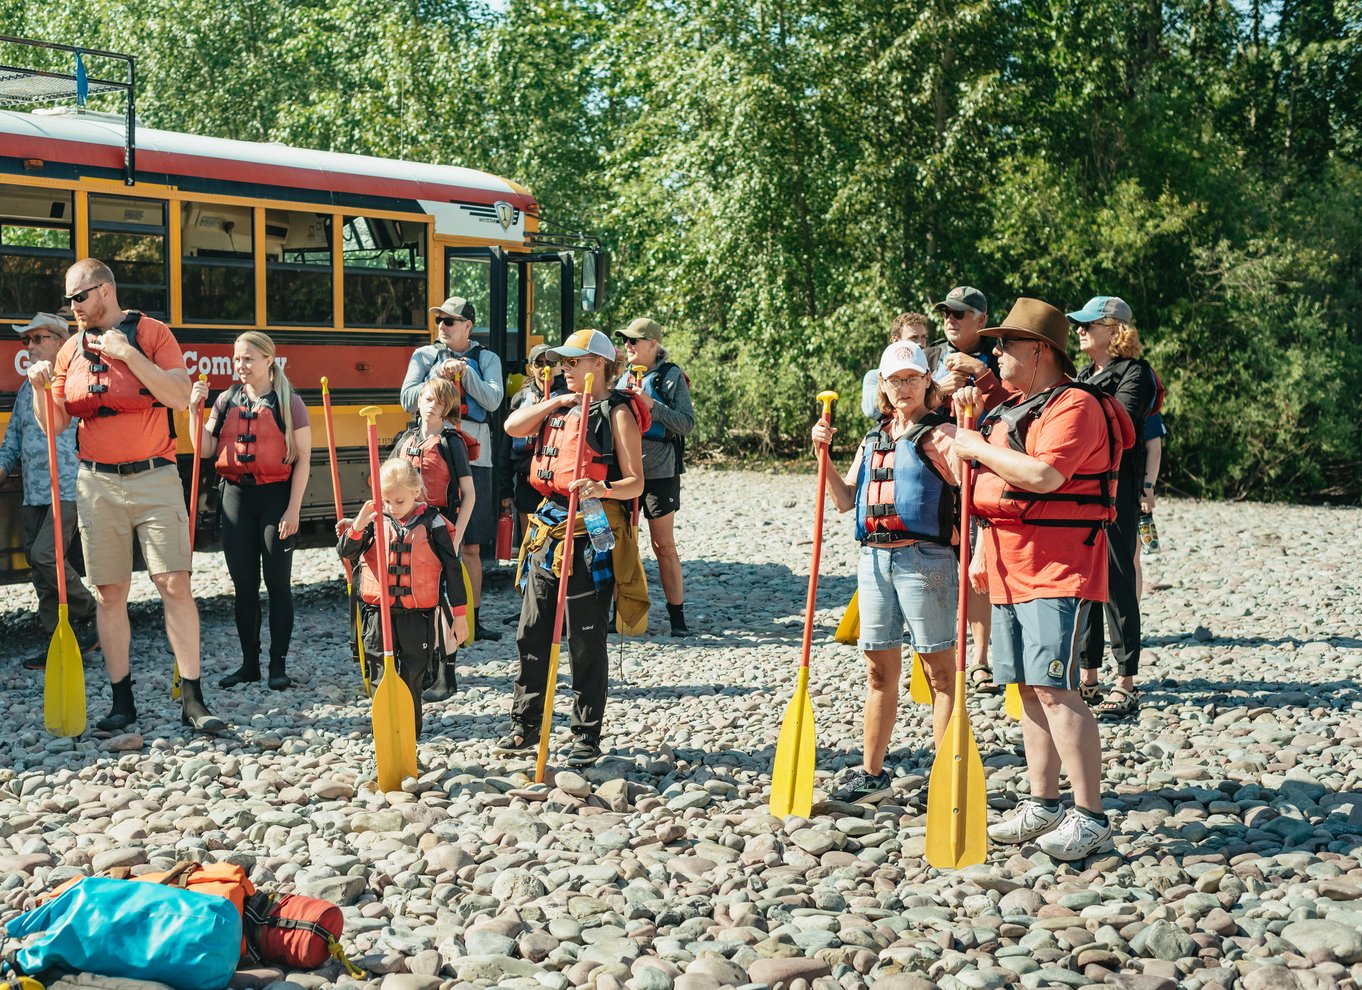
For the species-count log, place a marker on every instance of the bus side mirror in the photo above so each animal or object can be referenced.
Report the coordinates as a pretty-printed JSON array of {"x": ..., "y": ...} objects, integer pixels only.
[{"x": 595, "y": 266}]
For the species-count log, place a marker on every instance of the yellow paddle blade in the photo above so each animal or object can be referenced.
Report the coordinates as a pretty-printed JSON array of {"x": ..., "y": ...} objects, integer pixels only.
[
  {"x": 541, "y": 759},
  {"x": 394, "y": 729},
  {"x": 468, "y": 601},
  {"x": 796, "y": 755},
  {"x": 957, "y": 816},
  {"x": 359, "y": 640},
  {"x": 1012, "y": 702},
  {"x": 919, "y": 691},
  {"x": 64, "y": 685},
  {"x": 174, "y": 680},
  {"x": 850, "y": 627}
]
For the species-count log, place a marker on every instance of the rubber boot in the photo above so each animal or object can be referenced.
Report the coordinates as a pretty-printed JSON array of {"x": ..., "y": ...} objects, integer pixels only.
[
  {"x": 445, "y": 683},
  {"x": 278, "y": 679},
  {"x": 195, "y": 713},
  {"x": 677, "y": 614},
  {"x": 247, "y": 673},
  {"x": 480, "y": 631},
  {"x": 123, "y": 713}
]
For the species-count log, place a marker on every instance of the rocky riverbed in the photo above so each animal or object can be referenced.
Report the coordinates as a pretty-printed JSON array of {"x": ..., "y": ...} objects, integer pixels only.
[{"x": 1236, "y": 795}]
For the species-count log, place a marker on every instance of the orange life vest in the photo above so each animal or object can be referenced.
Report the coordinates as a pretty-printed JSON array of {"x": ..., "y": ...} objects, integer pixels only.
[
  {"x": 434, "y": 460},
  {"x": 100, "y": 386},
  {"x": 414, "y": 570},
  {"x": 1092, "y": 495},
  {"x": 555, "y": 455},
  {"x": 252, "y": 445}
]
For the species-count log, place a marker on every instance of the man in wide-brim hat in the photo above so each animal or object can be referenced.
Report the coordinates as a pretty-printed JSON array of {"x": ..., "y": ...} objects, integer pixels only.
[{"x": 1042, "y": 557}]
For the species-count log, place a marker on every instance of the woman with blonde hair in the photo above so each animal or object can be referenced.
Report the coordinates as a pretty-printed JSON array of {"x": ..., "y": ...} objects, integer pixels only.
[
  {"x": 259, "y": 431},
  {"x": 1107, "y": 335}
]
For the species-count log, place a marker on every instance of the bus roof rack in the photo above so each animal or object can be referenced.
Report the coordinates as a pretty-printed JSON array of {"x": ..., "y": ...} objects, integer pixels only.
[{"x": 29, "y": 86}]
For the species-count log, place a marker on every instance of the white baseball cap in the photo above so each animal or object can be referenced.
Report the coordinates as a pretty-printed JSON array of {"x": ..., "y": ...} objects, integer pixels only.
[{"x": 902, "y": 355}]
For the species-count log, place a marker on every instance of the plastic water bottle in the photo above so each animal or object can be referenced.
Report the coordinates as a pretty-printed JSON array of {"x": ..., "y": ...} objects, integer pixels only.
[
  {"x": 1149, "y": 534},
  {"x": 597, "y": 526}
]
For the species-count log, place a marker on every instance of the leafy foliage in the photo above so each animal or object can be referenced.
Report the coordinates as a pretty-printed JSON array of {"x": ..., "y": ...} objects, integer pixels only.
[{"x": 778, "y": 179}]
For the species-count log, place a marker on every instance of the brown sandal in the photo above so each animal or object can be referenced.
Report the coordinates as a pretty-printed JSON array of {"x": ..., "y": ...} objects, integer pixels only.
[{"x": 981, "y": 680}]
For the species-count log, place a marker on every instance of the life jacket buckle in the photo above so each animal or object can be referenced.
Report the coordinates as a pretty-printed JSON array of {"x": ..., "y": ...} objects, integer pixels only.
[
  {"x": 99, "y": 388},
  {"x": 245, "y": 438},
  {"x": 245, "y": 458}
]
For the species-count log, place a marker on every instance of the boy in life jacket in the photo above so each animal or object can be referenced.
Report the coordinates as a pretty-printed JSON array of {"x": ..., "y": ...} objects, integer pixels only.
[
  {"x": 613, "y": 473},
  {"x": 424, "y": 574},
  {"x": 441, "y": 453},
  {"x": 1044, "y": 493}
]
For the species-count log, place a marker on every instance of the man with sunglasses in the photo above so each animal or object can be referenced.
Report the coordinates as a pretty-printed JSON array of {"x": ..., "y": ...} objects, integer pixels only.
[
  {"x": 119, "y": 377},
  {"x": 25, "y": 446},
  {"x": 477, "y": 372}
]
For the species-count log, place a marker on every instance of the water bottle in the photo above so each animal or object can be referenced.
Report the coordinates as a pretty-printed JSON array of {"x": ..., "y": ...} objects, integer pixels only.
[
  {"x": 597, "y": 526},
  {"x": 1149, "y": 534}
]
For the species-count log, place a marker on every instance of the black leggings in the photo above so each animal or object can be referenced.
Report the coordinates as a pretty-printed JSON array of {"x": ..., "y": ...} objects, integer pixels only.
[
  {"x": 250, "y": 516},
  {"x": 1122, "y": 608}
]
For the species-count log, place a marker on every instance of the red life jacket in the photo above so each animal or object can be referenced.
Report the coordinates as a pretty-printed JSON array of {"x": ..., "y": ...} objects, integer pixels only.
[
  {"x": 1092, "y": 495},
  {"x": 434, "y": 460},
  {"x": 414, "y": 570},
  {"x": 100, "y": 386},
  {"x": 555, "y": 455},
  {"x": 903, "y": 501},
  {"x": 252, "y": 446}
]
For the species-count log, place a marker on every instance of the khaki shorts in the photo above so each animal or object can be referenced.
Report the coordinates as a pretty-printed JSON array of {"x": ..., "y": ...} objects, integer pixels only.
[{"x": 112, "y": 507}]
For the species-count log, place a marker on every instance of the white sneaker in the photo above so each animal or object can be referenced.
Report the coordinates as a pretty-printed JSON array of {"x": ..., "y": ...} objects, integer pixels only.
[
  {"x": 1029, "y": 820},
  {"x": 1077, "y": 837}
]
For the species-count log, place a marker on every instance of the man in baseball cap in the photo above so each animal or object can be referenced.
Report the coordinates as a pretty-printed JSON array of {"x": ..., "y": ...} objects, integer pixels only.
[{"x": 25, "y": 447}]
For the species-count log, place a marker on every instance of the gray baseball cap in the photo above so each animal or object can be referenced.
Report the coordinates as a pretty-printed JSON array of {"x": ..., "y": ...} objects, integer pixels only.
[
  {"x": 1103, "y": 308},
  {"x": 964, "y": 297}
]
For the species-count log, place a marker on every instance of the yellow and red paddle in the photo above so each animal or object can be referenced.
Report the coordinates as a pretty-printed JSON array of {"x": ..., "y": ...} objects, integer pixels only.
[
  {"x": 64, "y": 683},
  {"x": 394, "y": 712},
  {"x": 796, "y": 746},
  {"x": 196, "y": 442},
  {"x": 560, "y": 609},
  {"x": 956, "y": 812},
  {"x": 351, "y": 603}
]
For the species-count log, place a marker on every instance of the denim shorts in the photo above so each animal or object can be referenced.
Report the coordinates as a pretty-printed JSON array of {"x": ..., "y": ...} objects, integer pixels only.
[
  {"x": 1036, "y": 642},
  {"x": 914, "y": 586}
]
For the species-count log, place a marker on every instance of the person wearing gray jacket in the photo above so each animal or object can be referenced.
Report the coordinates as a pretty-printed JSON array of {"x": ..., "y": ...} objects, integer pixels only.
[{"x": 666, "y": 392}]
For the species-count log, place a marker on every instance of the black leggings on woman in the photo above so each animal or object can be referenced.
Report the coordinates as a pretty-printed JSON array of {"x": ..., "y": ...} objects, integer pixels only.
[{"x": 250, "y": 517}]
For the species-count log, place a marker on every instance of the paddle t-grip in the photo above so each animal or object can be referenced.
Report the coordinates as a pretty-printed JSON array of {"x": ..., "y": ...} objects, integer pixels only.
[
  {"x": 371, "y": 413},
  {"x": 590, "y": 378},
  {"x": 325, "y": 390},
  {"x": 827, "y": 398},
  {"x": 548, "y": 378}
]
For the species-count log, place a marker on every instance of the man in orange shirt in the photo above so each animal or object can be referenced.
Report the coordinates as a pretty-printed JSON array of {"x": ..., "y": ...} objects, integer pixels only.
[
  {"x": 1043, "y": 496},
  {"x": 121, "y": 376}
]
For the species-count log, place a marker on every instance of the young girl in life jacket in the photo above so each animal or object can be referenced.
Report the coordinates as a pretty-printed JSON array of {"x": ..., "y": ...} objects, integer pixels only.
[
  {"x": 428, "y": 575},
  {"x": 902, "y": 484},
  {"x": 613, "y": 473},
  {"x": 259, "y": 431},
  {"x": 441, "y": 454}
]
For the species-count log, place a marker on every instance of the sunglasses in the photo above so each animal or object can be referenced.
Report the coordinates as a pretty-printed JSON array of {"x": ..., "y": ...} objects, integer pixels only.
[
  {"x": 83, "y": 294},
  {"x": 572, "y": 362},
  {"x": 449, "y": 321},
  {"x": 29, "y": 340}
]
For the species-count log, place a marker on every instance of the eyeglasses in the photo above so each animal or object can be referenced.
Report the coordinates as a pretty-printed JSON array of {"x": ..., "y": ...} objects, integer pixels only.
[
  {"x": 907, "y": 381},
  {"x": 29, "y": 340},
  {"x": 83, "y": 294},
  {"x": 572, "y": 362}
]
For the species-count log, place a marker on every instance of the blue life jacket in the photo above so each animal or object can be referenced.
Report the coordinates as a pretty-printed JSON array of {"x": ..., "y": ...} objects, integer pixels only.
[
  {"x": 650, "y": 386},
  {"x": 900, "y": 495},
  {"x": 469, "y": 407}
]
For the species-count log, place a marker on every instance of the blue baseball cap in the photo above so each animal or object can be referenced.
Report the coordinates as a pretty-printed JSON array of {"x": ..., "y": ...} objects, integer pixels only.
[{"x": 1103, "y": 308}]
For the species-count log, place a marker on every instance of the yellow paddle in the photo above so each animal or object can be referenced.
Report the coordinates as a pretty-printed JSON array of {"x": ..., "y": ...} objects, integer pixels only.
[
  {"x": 919, "y": 690},
  {"x": 560, "y": 609},
  {"x": 394, "y": 713},
  {"x": 1012, "y": 702},
  {"x": 468, "y": 601},
  {"x": 64, "y": 684},
  {"x": 351, "y": 602},
  {"x": 956, "y": 812},
  {"x": 849, "y": 629},
  {"x": 796, "y": 746}
]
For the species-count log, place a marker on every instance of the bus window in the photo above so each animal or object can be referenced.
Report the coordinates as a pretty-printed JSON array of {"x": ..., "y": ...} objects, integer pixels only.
[
  {"x": 385, "y": 273},
  {"x": 129, "y": 235},
  {"x": 471, "y": 278},
  {"x": 36, "y": 248},
  {"x": 217, "y": 269},
  {"x": 546, "y": 319},
  {"x": 298, "y": 260}
]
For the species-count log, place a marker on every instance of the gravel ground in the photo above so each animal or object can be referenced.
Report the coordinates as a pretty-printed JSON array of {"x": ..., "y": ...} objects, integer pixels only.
[{"x": 1235, "y": 796}]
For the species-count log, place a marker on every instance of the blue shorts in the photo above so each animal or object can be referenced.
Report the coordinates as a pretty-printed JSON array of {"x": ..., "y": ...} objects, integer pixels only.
[
  {"x": 916, "y": 586},
  {"x": 1036, "y": 642}
]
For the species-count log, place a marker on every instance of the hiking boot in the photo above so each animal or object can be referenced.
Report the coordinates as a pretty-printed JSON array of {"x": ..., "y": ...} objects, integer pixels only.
[
  {"x": 1077, "y": 837},
  {"x": 860, "y": 787},
  {"x": 584, "y": 752},
  {"x": 123, "y": 713},
  {"x": 194, "y": 712},
  {"x": 247, "y": 673},
  {"x": 444, "y": 684},
  {"x": 279, "y": 680},
  {"x": 520, "y": 740},
  {"x": 1029, "y": 820}
]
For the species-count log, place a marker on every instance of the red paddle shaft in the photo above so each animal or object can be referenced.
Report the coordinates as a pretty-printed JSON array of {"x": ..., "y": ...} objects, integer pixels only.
[
  {"x": 196, "y": 434},
  {"x": 381, "y": 539},
  {"x": 827, "y": 399},
  {"x": 57, "y": 535},
  {"x": 569, "y": 541},
  {"x": 962, "y": 606}
]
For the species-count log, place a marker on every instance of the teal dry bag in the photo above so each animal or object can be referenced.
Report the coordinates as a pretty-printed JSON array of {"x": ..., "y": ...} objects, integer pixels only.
[{"x": 144, "y": 931}]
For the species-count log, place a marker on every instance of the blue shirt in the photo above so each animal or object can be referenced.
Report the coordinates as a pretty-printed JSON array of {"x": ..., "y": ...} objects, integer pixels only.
[{"x": 26, "y": 445}]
